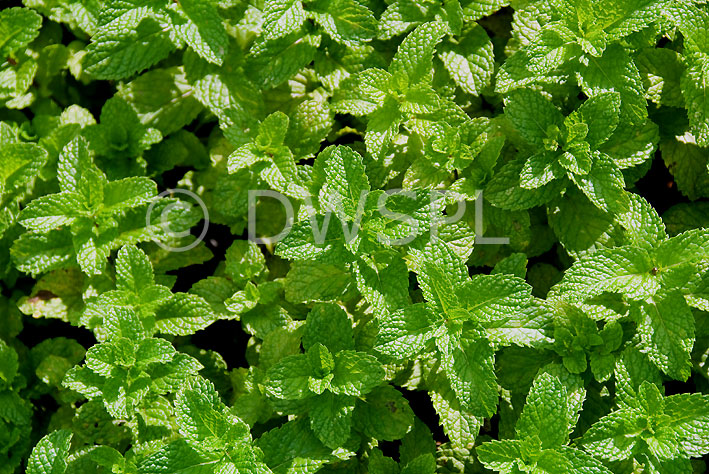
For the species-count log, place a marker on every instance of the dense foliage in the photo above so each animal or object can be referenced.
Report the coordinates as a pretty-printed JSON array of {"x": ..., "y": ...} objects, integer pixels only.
[{"x": 393, "y": 329}]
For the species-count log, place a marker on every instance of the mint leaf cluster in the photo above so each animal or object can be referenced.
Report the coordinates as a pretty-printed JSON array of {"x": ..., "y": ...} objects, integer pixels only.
[{"x": 354, "y": 236}]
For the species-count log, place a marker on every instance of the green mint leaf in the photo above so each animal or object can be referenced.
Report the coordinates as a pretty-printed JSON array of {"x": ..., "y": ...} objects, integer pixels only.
[
  {"x": 362, "y": 93},
  {"x": 383, "y": 281},
  {"x": 469, "y": 363},
  {"x": 459, "y": 424},
  {"x": 182, "y": 314},
  {"x": 602, "y": 115},
  {"x": 288, "y": 379},
  {"x": 347, "y": 21},
  {"x": 500, "y": 455},
  {"x": 425, "y": 464},
  {"x": 469, "y": 59},
  {"x": 413, "y": 60},
  {"x": 355, "y": 373},
  {"x": 331, "y": 418},
  {"x": 127, "y": 43},
  {"x": 579, "y": 461},
  {"x": 404, "y": 333},
  {"x": 691, "y": 22},
  {"x": 545, "y": 413},
  {"x": 536, "y": 119},
  {"x": 74, "y": 159},
  {"x": 515, "y": 265},
  {"x": 608, "y": 438},
  {"x": 625, "y": 270},
  {"x": 8, "y": 363},
  {"x": 493, "y": 297},
  {"x": 616, "y": 71},
  {"x": 163, "y": 99},
  {"x": 244, "y": 261},
  {"x": 540, "y": 169},
  {"x": 51, "y": 453},
  {"x": 134, "y": 272},
  {"x": 281, "y": 17},
  {"x": 294, "y": 446},
  {"x": 18, "y": 27},
  {"x": 178, "y": 456},
  {"x": 384, "y": 414},
  {"x": 505, "y": 191},
  {"x": 202, "y": 417},
  {"x": 660, "y": 70},
  {"x": 604, "y": 185},
  {"x": 688, "y": 163},
  {"x": 582, "y": 227},
  {"x": 328, "y": 324},
  {"x": 346, "y": 184},
  {"x": 666, "y": 328},
  {"x": 271, "y": 63},
  {"x": 204, "y": 32},
  {"x": 313, "y": 281},
  {"x": 21, "y": 162},
  {"x": 688, "y": 415},
  {"x": 53, "y": 211},
  {"x": 39, "y": 253}
]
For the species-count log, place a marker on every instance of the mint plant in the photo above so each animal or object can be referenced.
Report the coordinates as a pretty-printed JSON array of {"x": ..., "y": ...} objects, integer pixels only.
[
  {"x": 542, "y": 435},
  {"x": 354, "y": 236}
]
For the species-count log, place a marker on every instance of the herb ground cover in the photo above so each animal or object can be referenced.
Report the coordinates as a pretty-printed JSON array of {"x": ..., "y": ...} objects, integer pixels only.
[{"x": 354, "y": 236}]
